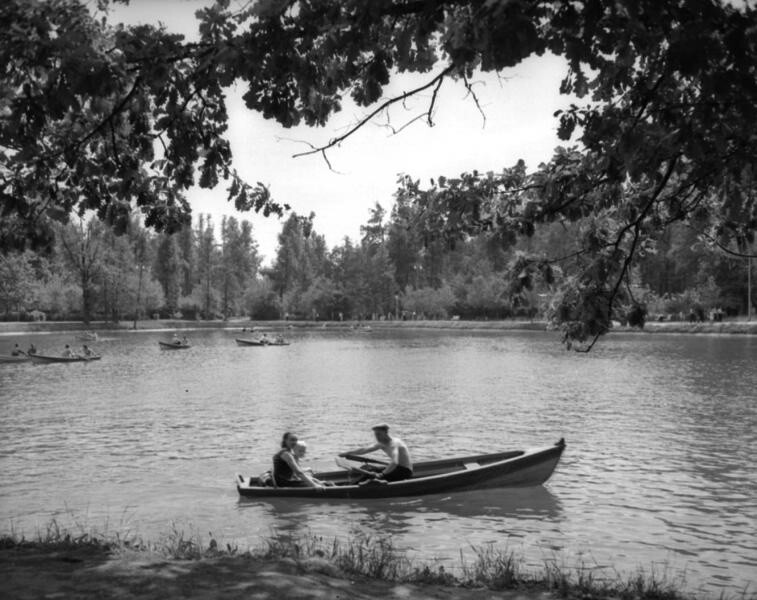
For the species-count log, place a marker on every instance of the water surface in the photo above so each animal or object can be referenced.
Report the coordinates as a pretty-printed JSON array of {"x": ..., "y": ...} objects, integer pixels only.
[{"x": 658, "y": 471}]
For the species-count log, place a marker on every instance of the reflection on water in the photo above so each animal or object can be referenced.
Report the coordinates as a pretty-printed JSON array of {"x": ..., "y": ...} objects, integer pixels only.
[
  {"x": 658, "y": 467},
  {"x": 381, "y": 517}
]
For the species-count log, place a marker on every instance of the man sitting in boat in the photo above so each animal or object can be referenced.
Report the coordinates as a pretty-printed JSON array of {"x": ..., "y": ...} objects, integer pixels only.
[
  {"x": 286, "y": 470},
  {"x": 67, "y": 352},
  {"x": 32, "y": 349},
  {"x": 400, "y": 465},
  {"x": 86, "y": 350}
]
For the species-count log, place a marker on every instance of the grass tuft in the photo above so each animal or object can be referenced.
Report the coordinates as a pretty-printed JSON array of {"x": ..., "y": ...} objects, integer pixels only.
[{"x": 377, "y": 558}]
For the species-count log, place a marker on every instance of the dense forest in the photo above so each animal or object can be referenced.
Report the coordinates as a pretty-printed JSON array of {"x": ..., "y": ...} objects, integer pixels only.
[{"x": 214, "y": 271}]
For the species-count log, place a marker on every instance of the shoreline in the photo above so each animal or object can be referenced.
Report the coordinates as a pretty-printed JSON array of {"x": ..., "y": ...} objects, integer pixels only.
[
  {"x": 59, "y": 563},
  {"x": 12, "y": 328}
]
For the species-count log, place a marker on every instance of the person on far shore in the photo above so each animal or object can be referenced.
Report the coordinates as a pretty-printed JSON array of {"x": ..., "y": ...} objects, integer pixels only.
[
  {"x": 32, "y": 349},
  {"x": 17, "y": 351},
  {"x": 400, "y": 465},
  {"x": 286, "y": 469}
]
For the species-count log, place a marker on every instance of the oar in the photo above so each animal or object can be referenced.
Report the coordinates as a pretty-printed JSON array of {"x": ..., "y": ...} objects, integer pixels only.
[
  {"x": 342, "y": 462},
  {"x": 363, "y": 459}
]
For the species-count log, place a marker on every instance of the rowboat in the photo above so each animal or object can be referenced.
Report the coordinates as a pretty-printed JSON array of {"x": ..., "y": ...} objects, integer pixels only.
[
  {"x": 173, "y": 345},
  {"x": 87, "y": 337},
  {"x": 14, "y": 359},
  {"x": 278, "y": 343},
  {"x": 520, "y": 468},
  {"x": 43, "y": 359},
  {"x": 242, "y": 342}
]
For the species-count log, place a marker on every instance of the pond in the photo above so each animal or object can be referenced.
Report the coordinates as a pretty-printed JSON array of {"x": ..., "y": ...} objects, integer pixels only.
[{"x": 658, "y": 472}]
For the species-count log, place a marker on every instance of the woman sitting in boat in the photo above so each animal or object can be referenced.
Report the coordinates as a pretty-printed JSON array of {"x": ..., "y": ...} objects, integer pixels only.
[
  {"x": 87, "y": 351},
  {"x": 17, "y": 351},
  {"x": 32, "y": 349},
  {"x": 286, "y": 470},
  {"x": 67, "y": 352}
]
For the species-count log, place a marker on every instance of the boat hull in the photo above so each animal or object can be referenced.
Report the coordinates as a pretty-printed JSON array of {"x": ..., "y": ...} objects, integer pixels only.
[
  {"x": 508, "y": 469},
  {"x": 44, "y": 360},
  {"x": 170, "y": 346},
  {"x": 241, "y": 342},
  {"x": 14, "y": 359}
]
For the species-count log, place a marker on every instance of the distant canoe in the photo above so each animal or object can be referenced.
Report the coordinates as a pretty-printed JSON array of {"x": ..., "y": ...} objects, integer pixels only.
[
  {"x": 173, "y": 345},
  {"x": 241, "y": 342},
  {"x": 14, "y": 359},
  {"x": 278, "y": 343},
  {"x": 87, "y": 337},
  {"x": 520, "y": 468},
  {"x": 43, "y": 359}
]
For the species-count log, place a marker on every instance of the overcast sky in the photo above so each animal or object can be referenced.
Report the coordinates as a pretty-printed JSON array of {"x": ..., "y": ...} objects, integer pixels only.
[{"x": 519, "y": 124}]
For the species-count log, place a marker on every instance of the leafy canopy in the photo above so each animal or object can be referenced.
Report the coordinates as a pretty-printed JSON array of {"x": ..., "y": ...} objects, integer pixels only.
[{"x": 665, "y": 129}]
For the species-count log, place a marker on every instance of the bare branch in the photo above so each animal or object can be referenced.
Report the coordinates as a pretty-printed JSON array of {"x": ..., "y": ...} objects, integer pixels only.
[
  {"x": 472, "y": 94},
  {"x": 433, "y": 102},
  {"x": 383, "y": 106},
  {"x": 395, "y": 131}
]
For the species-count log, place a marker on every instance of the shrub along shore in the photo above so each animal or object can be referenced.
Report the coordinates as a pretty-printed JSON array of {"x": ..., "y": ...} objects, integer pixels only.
[
  {"x": 58, "y": 563},
  {"x": 22, "y": 327}
]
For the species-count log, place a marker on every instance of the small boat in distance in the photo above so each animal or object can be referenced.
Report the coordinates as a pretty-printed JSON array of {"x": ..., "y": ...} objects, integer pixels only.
[
  {"x": 243, "y": 342},
  {"x": 519, "y": 468},
  {"x": 14, "y": 359},
  {"x": 177, "y": 345},
  {"x": 88, "y": 336},
  {"x": 45, "y": 359}
]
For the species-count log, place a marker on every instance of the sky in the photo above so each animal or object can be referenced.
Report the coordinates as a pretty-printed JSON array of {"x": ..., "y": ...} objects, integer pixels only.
[{"x": 519, "y": 107}]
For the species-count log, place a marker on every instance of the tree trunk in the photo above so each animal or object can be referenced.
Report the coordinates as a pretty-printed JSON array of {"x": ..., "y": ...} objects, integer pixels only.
[
  {"x": 139, "y": 295},
  {"x": 85, "y": 299}
]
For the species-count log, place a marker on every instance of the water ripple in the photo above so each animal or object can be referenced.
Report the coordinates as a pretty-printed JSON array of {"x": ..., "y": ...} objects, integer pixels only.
[{"x": 658, "y": 469}]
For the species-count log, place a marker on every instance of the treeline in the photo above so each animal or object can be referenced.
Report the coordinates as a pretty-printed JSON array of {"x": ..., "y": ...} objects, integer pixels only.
[
  {"x": 92, "y": 273},
  {"x": 394, "y": 270}
]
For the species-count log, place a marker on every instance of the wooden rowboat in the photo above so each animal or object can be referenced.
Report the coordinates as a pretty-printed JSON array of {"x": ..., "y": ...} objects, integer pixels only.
[
  {"x": 43, "y": 359},
  {"x": 173, "y": 345},
  {"x": 242, "y": 342},
  {"x": 521, "y": 468},
  {"x": 14, "y": 359}
]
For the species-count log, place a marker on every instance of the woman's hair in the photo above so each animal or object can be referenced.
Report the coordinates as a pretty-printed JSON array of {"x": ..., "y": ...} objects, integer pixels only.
[{"x": 284, "y": 439}]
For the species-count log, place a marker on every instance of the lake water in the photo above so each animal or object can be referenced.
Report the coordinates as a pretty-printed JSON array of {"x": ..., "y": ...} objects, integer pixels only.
[{"x": 659, "y": 470}]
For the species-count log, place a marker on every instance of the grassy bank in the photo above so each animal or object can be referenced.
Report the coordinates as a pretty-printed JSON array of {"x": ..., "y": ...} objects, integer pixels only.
[
  {"x": 20, "y": 328},
  {"x": 87, "y": 565}
]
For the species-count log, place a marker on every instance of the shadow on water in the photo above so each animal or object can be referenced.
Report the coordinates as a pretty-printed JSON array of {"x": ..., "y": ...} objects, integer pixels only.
[{"x": 398, "y": 516}]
